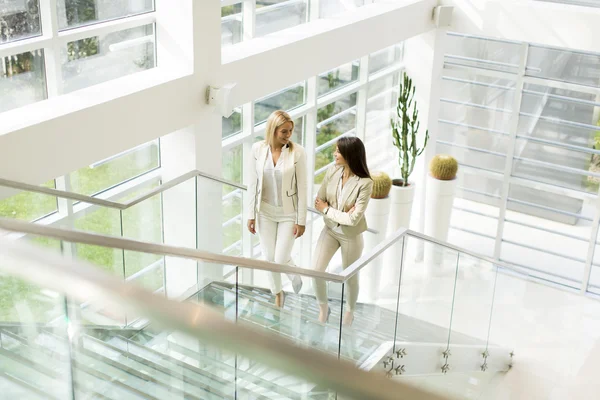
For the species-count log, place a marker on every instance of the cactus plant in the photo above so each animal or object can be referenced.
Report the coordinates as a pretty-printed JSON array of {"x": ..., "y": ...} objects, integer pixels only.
[
  {"x": 443, "y": 167},
  {"x": 405, "y": 125},
  {"x": 382, "y": 184}
]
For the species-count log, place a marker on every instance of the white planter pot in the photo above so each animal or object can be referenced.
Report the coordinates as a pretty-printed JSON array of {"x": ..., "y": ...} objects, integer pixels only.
[
  {"x": 438, "y": 211},
  {"x": 377, "y": 215},
  {"x": 402, "y": 198},
  {"x": 400, "y": 213}
]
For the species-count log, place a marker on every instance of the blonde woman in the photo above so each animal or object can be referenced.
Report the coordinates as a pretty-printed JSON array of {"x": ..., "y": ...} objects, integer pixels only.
[
  {"x": 342, "y": 199},
  {"x": 277, "y": 204}
]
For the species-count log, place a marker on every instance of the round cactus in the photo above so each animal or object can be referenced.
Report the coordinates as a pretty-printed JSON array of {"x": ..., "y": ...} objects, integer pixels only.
[
  {"x": 381, "y": 185},
  {"x": 443, "y": 167}
]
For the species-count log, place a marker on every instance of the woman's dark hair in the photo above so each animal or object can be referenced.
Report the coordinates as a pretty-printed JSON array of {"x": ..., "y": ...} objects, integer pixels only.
[{"x": 353, "y": 151}]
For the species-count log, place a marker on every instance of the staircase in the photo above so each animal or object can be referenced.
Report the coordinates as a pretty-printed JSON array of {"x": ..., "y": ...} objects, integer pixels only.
[{"x": 115, "y": 363}]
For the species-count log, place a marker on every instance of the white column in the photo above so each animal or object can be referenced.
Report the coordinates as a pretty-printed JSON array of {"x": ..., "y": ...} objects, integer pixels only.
[
  {"x": 179, "y": 208},
  {"x": 310, "y": 143},
  {"x": 248, "y": 19}
]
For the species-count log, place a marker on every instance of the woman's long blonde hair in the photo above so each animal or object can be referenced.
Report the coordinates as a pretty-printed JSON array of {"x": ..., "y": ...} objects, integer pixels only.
[{"x": 275, "y": 120}]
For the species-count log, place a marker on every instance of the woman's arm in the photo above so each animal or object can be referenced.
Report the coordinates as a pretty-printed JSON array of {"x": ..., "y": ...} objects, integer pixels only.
[
  {"x": 352, "y": 218},
  {"x": 301, "y": 184}
]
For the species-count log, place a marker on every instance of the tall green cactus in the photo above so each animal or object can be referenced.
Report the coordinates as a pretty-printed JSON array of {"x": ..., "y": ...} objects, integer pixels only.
[{"x": 404, "y": 125}]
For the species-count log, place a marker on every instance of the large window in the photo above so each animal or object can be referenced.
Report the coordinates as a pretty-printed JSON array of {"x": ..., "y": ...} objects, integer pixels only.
[
  {"x": 270, "y": 16},
  {"x": 22, "y": 79},
  {"x": 28, "y": 206},
  {"x": 231, "y": 24},
  {"x": 286, "y": 99},
  {"x": 334, "y": 120},
  {"x": 19, "y": 20},
  {"x": 74, "y": 13},
  {"x": 91, "y": 47},
  {"x": 96, "y": 59},
  {"x": 117, "y": 169},
  {"x": 541, "y": 215}
]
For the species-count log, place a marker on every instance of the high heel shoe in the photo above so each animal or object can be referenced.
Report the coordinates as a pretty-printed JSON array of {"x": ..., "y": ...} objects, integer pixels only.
[
  {"x": 327, "y": 318},
  {"x": 297, "y": 284},
  {"x": 280, "y": 300}
]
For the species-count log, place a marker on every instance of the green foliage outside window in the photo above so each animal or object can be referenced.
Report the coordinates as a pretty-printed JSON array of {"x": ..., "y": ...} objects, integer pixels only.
[
  {"x": 333, "y": 129},
  {"x": 28, "y": 206},
  {"x": 230, "y": 10}
]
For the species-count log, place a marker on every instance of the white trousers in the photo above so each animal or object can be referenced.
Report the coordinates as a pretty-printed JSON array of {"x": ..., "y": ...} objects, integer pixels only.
[
  {"x": 276, "y": 232},
  {"x": 329, "y": 242}
]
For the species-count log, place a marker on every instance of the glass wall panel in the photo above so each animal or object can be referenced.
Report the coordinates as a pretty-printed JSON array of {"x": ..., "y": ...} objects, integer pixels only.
[
  {"x": 337, "y": 78},
  {"x": 233, "y": 202},
  {"x": 22, "y": 79},
  {"x": 73, "y": 13},
  {"x": 469, "y": 86},
  {"x": 232, "y": 125},
  {"x": 381, "y": 106},
  {"x": 286, "y": 99},
  {"x": 276, "y": 15},
  {"x": 19, "y": 20},
  {"x": 333, "y": 120},
  {"x": 231, "y": 25},
  {"x": 564, "y": 65},
  {"x": 112, "y": 171},
  {"x": 385, "y": 58},
  {"x": 144, "y": 221},
  {"x": 98, "y": 59},
  {"x": 594, "y": 283},
  {"x": 331, "y": 8},
  {"x": 483, "y": 53},
  {"x": 22, "y": 301},
  {"x": 105, "y": 221}
]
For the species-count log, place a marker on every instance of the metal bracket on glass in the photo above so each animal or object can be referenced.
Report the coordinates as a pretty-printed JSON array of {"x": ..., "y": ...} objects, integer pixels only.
[
  {"x": 445, "y": 368},
  {"x": 399, "y": 370},
  {"x": 400, "y": 353},
  {"x": 388, "y": 361},
  {"x": 447, "y": 354}
]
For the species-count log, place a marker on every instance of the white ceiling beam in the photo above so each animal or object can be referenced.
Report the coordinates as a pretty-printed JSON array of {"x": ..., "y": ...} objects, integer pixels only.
[{"x": 264, "y": 65}]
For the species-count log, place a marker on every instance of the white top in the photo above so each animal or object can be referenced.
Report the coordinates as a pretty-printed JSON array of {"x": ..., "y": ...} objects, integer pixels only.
[{"x": 272, "y": 180}]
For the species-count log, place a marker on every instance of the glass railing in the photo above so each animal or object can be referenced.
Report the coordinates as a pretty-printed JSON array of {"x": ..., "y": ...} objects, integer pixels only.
[
  {"x": 63, "y": 336},
  {"x": 413, "y": 315},
  {"x": 193, "y": 210},
  {"x": 417, "y": 299}
]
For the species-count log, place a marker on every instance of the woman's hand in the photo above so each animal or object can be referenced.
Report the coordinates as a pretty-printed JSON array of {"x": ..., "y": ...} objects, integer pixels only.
[
  {"x": 299, "y": 230},
  {"x": 320, "y": 205},
  {"x": 252, "y": 226},
  {"x": 351, "y": 210}
]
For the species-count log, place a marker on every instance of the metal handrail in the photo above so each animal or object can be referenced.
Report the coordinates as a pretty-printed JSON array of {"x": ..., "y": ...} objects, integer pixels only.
[
  {"x": 63, "y": 194},
  {"x": 75, "y": 236},
  {"x": 83, "y": 282}
]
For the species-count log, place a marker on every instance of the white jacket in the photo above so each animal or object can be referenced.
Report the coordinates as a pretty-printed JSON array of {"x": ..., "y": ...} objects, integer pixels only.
[{"x": 294, "y": 182}]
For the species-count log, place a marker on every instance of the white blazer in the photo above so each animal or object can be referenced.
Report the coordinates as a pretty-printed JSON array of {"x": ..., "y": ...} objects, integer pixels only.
[{"x": 294, "y": 183}]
